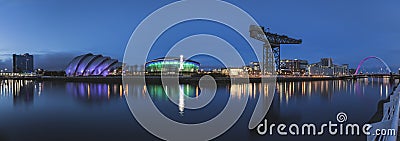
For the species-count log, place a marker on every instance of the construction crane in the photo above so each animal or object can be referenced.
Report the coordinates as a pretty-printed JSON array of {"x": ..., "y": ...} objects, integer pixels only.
[{"x": 271, "y": 50}]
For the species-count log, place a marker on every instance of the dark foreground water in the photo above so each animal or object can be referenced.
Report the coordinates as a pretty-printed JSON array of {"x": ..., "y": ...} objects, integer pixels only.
[{"x": 55, "y": 111}]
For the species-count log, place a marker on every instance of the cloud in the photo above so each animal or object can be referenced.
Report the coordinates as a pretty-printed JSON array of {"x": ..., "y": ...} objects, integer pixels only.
[
  {"x": 6, "y": 64},
  {"x": 48, "y": 60},
  {"x": 53, "y": 61}
]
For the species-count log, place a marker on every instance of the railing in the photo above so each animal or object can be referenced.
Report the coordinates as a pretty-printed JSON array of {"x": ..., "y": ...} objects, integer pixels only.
[{"x": 390, "y": 120}]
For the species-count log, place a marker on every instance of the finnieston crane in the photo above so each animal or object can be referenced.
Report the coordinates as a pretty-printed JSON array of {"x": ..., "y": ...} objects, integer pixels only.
[{"x": 275, "y": 41}]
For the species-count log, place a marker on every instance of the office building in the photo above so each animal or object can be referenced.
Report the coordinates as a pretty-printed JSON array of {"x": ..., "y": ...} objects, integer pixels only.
[
  {"x": 23, "y": 63},
  {"x": 327, "y": 68},
  {"x": 328, "y": 62},
  {"x": 293, "y": 67}
]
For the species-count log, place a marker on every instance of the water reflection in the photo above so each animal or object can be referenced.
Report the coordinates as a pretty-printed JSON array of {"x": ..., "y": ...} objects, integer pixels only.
[
  {"x": 159, "y": 93},
  {"x": 236, "y": 90},
  {"x": 181, "y": 102},
  {"x": 94, "y": 91},
  {"x": 50, "y": 110},
  {"x": 294, "y": 102},
  {"x": 287, "y": 90},
  {"x": 240, "y": 91},
  {"x": 21, "y": 91}
]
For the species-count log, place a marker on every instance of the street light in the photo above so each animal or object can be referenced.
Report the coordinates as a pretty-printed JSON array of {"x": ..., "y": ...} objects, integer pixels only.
[{"x": 26, "y": 65}]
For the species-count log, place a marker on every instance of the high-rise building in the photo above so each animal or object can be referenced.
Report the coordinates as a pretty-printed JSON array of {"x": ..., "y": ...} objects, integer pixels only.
[
  {"x": 22, "y": 63},
  {"x": 327, "y": 62}
]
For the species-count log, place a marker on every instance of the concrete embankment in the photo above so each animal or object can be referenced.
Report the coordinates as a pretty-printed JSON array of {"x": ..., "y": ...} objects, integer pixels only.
[{"x": 157, "y": 79}]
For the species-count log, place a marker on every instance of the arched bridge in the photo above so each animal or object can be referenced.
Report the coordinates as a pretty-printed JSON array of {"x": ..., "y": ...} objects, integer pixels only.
[{"x": 372, "y": 57}]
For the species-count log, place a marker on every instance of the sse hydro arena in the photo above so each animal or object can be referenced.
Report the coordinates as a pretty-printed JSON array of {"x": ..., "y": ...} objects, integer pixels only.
[
  {"x": 171, "y": 65},
  {"x": 93, "y": 65}
]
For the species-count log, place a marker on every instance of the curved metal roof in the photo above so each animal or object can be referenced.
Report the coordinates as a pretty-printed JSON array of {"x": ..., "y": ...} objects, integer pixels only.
[{"x": 89, "y": 64}]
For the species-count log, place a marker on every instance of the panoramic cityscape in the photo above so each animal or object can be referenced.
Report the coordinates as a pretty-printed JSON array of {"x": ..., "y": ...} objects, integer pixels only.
[
  {"x": 99, "y": 65},
  {"x": 199, "y": 70}
]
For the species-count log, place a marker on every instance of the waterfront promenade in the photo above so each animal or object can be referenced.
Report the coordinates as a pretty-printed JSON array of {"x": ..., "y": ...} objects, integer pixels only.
[{"x": 182, "y": 79}]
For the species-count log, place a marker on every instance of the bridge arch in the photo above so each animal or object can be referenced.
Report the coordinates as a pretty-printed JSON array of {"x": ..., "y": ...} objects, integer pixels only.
[{"x": 374, "y": 57}]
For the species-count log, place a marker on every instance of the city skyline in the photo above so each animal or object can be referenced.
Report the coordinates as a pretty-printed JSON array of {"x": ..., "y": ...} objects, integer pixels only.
[
  {"x": 371, "y": 67},
  {"x": 210, "y": 69},
  {"x": 342, "y": 30}
]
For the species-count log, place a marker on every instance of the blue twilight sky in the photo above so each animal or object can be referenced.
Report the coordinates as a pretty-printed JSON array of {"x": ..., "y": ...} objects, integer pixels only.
[{"x": 57, "y": 30}]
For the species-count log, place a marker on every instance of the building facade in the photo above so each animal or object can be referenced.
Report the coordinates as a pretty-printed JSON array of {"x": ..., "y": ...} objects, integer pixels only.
[
  {"x": 293, "y": 67},
  {"x": 171, "y": 65},
  {"x": 233, "y": 71},
  {"x": 328, "y": 62},
  {"x": 327, "y": 68},
  {"x": 23, "y": 63},
  {"x": 93, "y": 65},
  {"x": 253, "y": 69}
]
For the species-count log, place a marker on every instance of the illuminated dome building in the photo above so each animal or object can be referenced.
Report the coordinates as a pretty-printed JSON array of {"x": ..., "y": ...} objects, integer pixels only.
[
  {"x": 171, "y": 65},
  {"x": 92, "y": 65}
]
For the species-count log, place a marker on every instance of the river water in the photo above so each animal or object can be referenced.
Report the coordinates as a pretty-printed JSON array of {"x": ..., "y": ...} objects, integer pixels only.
[{"x": 51, "y": 110}]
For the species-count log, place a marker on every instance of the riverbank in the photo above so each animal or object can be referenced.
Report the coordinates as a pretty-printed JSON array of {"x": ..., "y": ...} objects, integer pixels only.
[
  {"x": 377, "y": 117},
  {"x": 157, "y": 79}
]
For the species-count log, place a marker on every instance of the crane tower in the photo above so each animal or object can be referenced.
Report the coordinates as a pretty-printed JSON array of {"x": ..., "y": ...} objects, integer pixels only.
[{"x": 271, "y": 47}]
